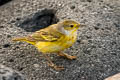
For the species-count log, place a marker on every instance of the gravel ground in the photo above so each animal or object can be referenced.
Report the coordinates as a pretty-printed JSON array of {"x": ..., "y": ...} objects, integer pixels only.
[{"x": 97, "y": 47}]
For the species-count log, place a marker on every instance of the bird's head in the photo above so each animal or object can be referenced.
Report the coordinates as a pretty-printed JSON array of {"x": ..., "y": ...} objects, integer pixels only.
[{"x": 69, "y": 26}]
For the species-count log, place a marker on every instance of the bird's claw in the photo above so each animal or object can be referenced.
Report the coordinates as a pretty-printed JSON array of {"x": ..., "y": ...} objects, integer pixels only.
[
  {"x": 56, "y": 67},
  {"x": 71, "y": 57}
]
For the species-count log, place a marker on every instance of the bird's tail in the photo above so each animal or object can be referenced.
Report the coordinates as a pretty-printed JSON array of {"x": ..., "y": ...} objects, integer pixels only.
[
  {"x": 19, "y": 39},
  {"x": 23, "y": 39}
]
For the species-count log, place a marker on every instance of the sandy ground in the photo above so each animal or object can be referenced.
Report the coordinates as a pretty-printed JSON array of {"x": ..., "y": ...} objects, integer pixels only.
[{"x": 97, "y": 48}]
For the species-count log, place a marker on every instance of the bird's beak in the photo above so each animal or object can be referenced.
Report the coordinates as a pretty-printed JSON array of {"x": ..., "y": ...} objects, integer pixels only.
[{"x": 78, "y": 25}]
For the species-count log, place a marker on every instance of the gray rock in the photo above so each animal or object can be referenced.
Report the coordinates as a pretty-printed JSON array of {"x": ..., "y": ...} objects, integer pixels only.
[{"x": 9, "y": 74}]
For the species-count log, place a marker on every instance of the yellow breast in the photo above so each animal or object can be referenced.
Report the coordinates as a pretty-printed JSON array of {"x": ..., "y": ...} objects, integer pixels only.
[{"x": 51, "y": 47}]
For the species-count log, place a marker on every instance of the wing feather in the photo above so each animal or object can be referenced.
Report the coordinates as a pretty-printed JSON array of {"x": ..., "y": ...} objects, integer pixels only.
[{"x": 46, "y": 35}]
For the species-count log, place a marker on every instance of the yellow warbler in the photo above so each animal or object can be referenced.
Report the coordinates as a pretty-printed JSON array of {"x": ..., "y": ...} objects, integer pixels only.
[{"x": 54, "y": 39}]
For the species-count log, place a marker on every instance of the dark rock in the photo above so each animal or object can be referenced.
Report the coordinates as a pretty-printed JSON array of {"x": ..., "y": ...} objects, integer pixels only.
[
  {"x": 117, "y": 25},
  {"x": 78, "y": 41},
  {"x": 8, "y": 36},
  {"x": 1, "y": 26},
  {"x": 96, "y": 28},
  {"x": 18, "y": 19},
  {"x": 98, "y": 24},
  {"x": 4, "y": 1},
  {"x": 72, "y": 7},
  {"x": 19, "y": 68},
  {"x": 89, "y": 0},
  {"x": 6, "y": 45},
  {"x": 11, "y": 60},
  {"x": 13, "y": 21}
]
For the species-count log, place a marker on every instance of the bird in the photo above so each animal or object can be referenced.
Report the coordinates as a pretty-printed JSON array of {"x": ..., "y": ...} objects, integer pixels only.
[{"x": 54, "y": 39}]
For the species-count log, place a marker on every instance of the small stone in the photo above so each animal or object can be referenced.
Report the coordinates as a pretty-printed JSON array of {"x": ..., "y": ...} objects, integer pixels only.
[
  {"x": 90, "y": 41},
  {"x": 72, "y": 7},
  {"x": 11, "y": 60},
  {"x": 8, "y": 36},
  {"x": 78, "y": 41},
  {"x": 36, "y": 65},
  {"x": 114, "y": 77},
  {"x": 89, "y": 0},
  {"x": 1, "y": 26},
  {"x": 17, "y": 19},
  {"x": 116, "y": 24},
  {"x": 19, "y": 68},
  {"x": 17, "y": 47},
  {"x": 6, "y": 45},
  {"x": 102, "y": 29},
  {"x": 59, "y": 4},
  {"x": 96, "y": 28},
  {"x": 84, "y": 41},
  {"x": 98, "y": 24},
  {"x": 88, "y": 36},
  {"x": 13, "y": 21}
]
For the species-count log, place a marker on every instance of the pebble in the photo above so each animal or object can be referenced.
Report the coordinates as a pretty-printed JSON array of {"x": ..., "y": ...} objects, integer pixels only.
[{"x": 36, "y": 65}]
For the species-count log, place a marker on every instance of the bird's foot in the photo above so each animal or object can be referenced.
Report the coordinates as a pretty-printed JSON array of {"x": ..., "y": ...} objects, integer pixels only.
[
  {"x": 67, "y": 56},
  {"x": 56, "y": 67}
]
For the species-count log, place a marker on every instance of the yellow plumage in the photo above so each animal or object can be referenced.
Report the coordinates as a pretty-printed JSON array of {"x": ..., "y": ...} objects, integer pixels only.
[
  {"x": 54, "y": 39},
  {"x": 52, "y": 47}
]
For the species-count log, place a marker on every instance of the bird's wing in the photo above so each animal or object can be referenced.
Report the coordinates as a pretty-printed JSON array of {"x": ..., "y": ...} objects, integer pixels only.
[{"x": 45, "y": 36}]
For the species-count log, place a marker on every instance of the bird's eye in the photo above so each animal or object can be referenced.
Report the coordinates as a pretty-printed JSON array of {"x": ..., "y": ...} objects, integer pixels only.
[{"x": 71, "y": 25}]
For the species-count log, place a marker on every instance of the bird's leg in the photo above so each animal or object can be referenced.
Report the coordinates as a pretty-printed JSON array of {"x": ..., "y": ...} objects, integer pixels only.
[
  {"x": 51, "y": 64},
  {"x": 66, "y": 55}
]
